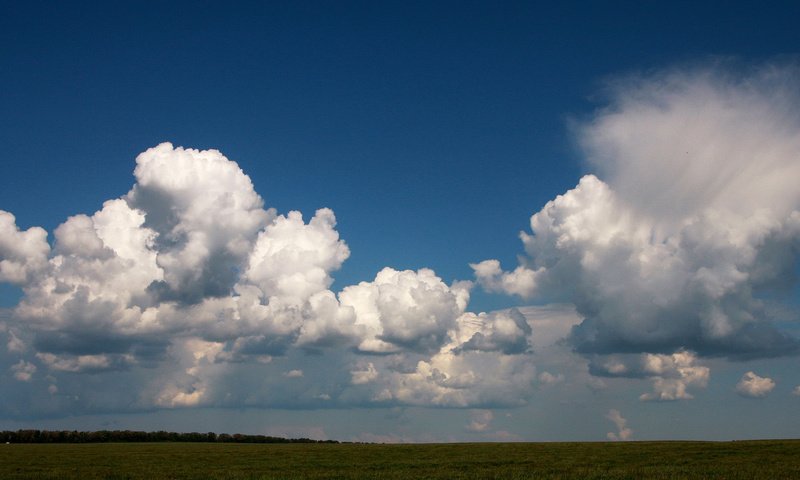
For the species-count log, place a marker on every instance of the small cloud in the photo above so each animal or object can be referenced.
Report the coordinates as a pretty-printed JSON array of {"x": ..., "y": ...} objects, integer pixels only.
[
  {"x": 14, "y": 345},
  {"x": 753, "y": 386},
  {"x": 23, "y": 371},
  {"x": 796, "y": 391},
  {"x": 52, "y": 389},
  {"x": 480, "y": 420},
  {"x": 596, "y": 384},
  {"x": 623, "y": 432},
  {"x": 293, "y": 374}
]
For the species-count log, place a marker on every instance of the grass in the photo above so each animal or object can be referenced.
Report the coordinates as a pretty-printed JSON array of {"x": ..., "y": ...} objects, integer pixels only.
[{"x": 635, "y": 460}]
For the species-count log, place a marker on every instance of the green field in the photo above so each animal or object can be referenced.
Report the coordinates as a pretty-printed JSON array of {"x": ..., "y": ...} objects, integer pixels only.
[{"x": 152, "y": 461}]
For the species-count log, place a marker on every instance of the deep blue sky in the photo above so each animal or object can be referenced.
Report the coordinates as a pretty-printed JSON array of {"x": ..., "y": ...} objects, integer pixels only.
[{"x": 428, "y": 127}]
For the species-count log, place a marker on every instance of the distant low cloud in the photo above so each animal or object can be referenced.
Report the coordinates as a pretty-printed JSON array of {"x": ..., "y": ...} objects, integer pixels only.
[
  {"x": 693, "y": 214},
  {"x": 23, "y": 371},
  {"x": 751, "y": 385},
  {"x": 480, "y": 421},
  {"x": 623, "y": 432}
]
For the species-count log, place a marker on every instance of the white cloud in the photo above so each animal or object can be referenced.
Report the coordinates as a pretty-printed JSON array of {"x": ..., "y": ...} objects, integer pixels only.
[
  {"x": 293, "y": 260},
  {"x": 506, "y": 331},
  {"x": 22, "y": 253},
  {"x": 751, "y": 385},
  {"x": 796, "y": 391},
  {"x": 404, "y": 309},
  {"x": 697, "y": 209},
  {"x": 623, "y": 432},
  {"x": 188, "y": 288},
  {"x": 205, "y": 214}
]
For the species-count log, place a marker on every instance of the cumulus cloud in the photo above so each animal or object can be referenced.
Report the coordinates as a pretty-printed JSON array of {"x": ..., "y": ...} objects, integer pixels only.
[
  {"x": 405, "y": 309},
  {"x": 187, "y": 288},
  {"x": 293, "y": 260},
  {"x": 694, "y": 214},
  {"x": 204, "y": 215},
  {"x": 22, "y": 253},
  {"x": 753, "y": 386},
  {"x": 796, "y": 391},
  {"x": 505, "y": 331},
  {"x": 672, "y": 375},
  {"x": 623, "y": 432}
]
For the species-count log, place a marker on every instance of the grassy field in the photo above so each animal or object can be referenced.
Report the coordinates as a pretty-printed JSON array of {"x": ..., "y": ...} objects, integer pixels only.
[{"x": 153, "y": 461}]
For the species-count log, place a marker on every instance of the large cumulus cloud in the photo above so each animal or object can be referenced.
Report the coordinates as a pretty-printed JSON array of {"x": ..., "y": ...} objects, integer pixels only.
[
  {"x": 188, "y": 290},
  {"x": 691, "y": 223}
]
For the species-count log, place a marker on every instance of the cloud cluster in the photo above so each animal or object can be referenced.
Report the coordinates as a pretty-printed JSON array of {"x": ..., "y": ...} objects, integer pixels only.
[
  {"x": 694, "y": 224},
  {"x": 191, "y": 289}
]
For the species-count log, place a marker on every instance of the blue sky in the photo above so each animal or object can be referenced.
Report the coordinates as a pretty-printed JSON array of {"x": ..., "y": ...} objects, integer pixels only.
[{"x": 433, "y": 132}]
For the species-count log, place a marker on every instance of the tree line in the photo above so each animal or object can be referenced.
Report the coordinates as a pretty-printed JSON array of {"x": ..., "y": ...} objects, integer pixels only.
[{"x": 101, "y": 436}]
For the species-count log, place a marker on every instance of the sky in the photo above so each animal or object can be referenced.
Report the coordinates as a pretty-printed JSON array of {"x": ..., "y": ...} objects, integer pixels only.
[{"x": 401, "y": 221}]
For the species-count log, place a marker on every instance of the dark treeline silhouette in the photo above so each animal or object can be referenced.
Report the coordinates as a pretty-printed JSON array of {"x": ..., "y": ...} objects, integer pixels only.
[{"x": 72, "y": 436}]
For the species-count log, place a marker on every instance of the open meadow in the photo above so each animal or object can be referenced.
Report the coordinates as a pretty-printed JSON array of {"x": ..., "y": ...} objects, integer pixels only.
[{"x": 634, "y": 460}]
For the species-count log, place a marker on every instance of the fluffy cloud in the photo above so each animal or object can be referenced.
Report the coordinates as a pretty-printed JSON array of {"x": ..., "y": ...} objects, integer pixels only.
[
  {"x": 22, "y": 253},
  {"x": 751, "y": 385},
  {"x": 697, "y": 215},
  {"x": 405, "y": 309},
  {"x": 796, "y": 391},
  {"x": 623, "y": 432},
  {"x": 189, "y": 290},
  {"x": 505, "y": 331},
  {"x": 293, "y": 260},
  {"x": 672, "y": 375},
  {"x": 204, "y": 214}
]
